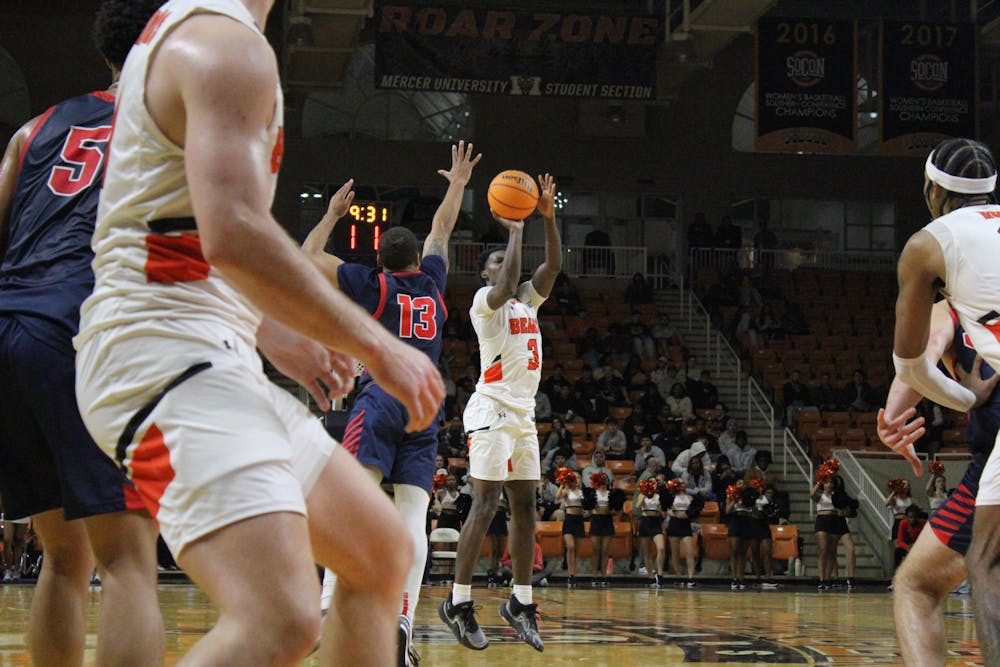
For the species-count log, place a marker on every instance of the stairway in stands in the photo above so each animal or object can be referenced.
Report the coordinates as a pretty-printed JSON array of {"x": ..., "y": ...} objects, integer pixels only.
[{"x": 726, "y": 380}]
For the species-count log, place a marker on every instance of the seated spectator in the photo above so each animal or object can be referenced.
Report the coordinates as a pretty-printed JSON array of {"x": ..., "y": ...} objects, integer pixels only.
[
  {"x": 643, "y": 343},
  {"x": 766, "y": 324},
  {"x": 596, "y": 465},
  {"x": 680, "y": 464},
  {"x": 639, "y": 290},
  {"x": 587, "y": 384},
  {"x": 557, "y": 379},
  {"x": 646, "y": 450},
  {"x": 452, "y": 442},
  {"x": 858, "y": 394},
  {"x": 909, "y": 530},
  {"x": 679, "y": 404},
  {"x": 561, "y": 400},
  {"x": 592, "y": 408},
  {"x": 692, "y": 371},
  {"x": 795, "y": 395},
  {"x": 557, "y": 438},
  {"x": 612, "y": 440},
  {"x": 722, "y": 477},
  {"x": 744, "y": 322},
  {"x": 826, "y": 396},
  {"x": 759, "y": 469},
  {"x": 591, "y": 349},
  {"x": 748, "y": 295},
  {"x": 565, "y": 296},
  {"x": 664, "y": 376},
  {"x": 741, "y": 455},
  {"x": 670, "y": 437},
  {"x": 539, "y": 568},
  {"x": 543, "y": 407},
  {"x": 727, "y": 439},
  {"x": 557, "y": 458},
  {"x": 697, "y": 479},
  {"x": 706, "y": 395},
  {"x": 665, "y": 334}
]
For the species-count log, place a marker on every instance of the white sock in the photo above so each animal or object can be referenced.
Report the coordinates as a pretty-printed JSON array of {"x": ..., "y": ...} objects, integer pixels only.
[
  {"x": 461, "y": 593},
  {"x": 329, "y": 583},
  {"x": 523, "y": 593},
  {"x": 412, "y": 502}
]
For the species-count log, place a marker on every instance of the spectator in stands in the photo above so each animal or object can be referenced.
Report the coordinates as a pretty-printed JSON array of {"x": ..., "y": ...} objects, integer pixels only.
[
  {"x": 439, "y": 462},
  {"x": 557, "y": 379},
  {"x": 570, "y": 497},
  {"x": 767, "y": 325},
  {"x": 723, "y": 476},
  {"x": 545, "y": 500},
  {"x": 692, "y": 371},
  {"x": 587, "y": 384},
  {"x": 793, "y": 322},
  {"x": 706, "y": 394},
  {"x": 748, "y": 295},
  {"x": 452, "y": 440},
  {"x": 565, "y": 296},
  {"x": 699, "y": 232},
  {"x": 558, "y": 438},
  {"x": 593, "y": 408},
  {"x": 858, "y": 394},
  {"x": 555, "y": 459},
  {"x": 597, "y": 464},
  {"x": 611, "y": 387},
  {"x": 825, "y": 395},
  {"x": 591, "y": 349},
  {"x": 728, "y": 235},
  {"x": 539, "y": 568},
  {"x": 639, "y": 290},
  {"x": 681, "y": 409},
  {"x": 612, "y": 440},
  {"x": 727, "y": 439},
  {"x": 697, "y": 478},
  {"x": 795, "y": 396},
  {"x": 465, "y": 387},
  {"x": 665, "y": 334},
  {"x": 458, "y": 326},
  {"x": 643, "y": 344},
  {"x": 900, "y": 498},
  {"x": 664, "y": 375},
  {"x": 759, "y": 469},
  {"x": 744, "y": 322},
  {"x": 562, "y": 400},
  {"x": 909, "y": 529},
  {"x": 648, "y": 449},
  {"x": 680, "y": 463},
  {"x": 543, "y": 407},
  {"x": 741, "y": 455}
]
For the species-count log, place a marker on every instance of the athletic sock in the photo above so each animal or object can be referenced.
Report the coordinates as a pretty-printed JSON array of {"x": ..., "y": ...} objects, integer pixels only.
[
  {"x": 460, "y": 593},
  {"x": 522, "y": 593}
]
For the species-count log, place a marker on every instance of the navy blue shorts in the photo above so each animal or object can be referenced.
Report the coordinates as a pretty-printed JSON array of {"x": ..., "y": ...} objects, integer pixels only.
[
  {"x": 47, "y": 458},
  {"x": 376, "y": 435},
  {"x": 952, "y": 522}
]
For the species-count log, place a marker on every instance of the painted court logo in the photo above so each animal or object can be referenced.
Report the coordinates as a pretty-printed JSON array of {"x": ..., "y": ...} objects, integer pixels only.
[{"x": 805, "y": 68}]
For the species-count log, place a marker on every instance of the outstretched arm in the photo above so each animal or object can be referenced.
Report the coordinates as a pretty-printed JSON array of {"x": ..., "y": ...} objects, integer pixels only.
[
  {"x": 446, "y": 215},
  {"x": 546, "y": 273},
  {"x": 315, "y": 244},
  {"x": 10, "y": 169},
  {"x": 507, "y": 279}
]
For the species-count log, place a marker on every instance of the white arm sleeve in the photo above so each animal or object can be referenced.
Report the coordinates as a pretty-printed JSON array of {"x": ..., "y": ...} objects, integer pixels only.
[{"x": 923, "y": 376}]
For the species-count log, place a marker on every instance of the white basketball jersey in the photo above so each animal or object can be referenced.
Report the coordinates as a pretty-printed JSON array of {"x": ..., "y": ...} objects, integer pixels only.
[
  {"x": 151, "y": 276},
  {"x": 970, "y": 241},
  {"x": 510, "y": 347}
]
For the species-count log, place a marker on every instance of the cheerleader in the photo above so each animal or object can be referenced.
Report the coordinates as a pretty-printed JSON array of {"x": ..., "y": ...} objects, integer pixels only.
[
  {"x": 570, "y": 497},
  {"x": 650, "y": 508},
  {"x": 830, "y": 525},
  {"x": 761, "y": 545},
  {"x": 446, "y": 503},
  {"x": 740, "y": 503},
  {"x": 683, "y": 508},
  {"x": 496, "y": 535},
  {"x": 899, "y": 499},
  {"x": 602, "y": 504},
  {"x": 937, "y": 486}
]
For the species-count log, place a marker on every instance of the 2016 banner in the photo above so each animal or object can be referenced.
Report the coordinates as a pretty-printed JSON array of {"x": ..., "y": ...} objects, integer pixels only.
[
  {"x": 929, "y": 85},
  {"x": 806, "y": 82},
  {"x": 451, "y": 47}
]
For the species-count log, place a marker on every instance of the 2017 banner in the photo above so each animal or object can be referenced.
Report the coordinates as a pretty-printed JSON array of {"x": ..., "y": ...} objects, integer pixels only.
[
  {"x": 806, "y": 82},
  {"x": 451, "y": 47},
  {"x": 929, "y": 85}
]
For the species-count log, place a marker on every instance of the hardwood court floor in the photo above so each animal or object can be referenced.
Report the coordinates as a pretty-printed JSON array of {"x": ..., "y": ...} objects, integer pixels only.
[{"x": 624, "y": 627}]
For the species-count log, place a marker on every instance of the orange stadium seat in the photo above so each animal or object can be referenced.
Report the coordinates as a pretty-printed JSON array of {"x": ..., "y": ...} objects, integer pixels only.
[
  {"x": 549, "y": 537},
  {"x": 854, "y": 438},
  {"x": 715, "y": 537},
  {"x": 709, "y": 513},
  {"x": 785, "y": 542},
  {"x": 823, "y": 442},
  {"x": 583, "y": 447}
]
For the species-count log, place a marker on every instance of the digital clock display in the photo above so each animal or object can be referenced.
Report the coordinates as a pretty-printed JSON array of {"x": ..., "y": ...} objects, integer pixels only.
[
  {"x": 368, "y": 220},
  {"x": 369, "y": 212}
]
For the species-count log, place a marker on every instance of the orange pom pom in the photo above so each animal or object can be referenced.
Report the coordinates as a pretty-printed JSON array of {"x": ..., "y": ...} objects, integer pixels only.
[
  {"x": 439, "y": 482},
  {"x": 676, "y": 486},
  {"x": 599, "y": 480},
  {"x": 936, "y": 467},
  {"x": 733, "y": 490},
  {"x": 563, "y": 476},
  {"x": 647, "y": 487}
]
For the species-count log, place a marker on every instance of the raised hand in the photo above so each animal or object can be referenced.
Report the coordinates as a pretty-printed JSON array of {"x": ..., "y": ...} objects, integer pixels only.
[
  {"x": 462, "y": 164},
  {"x": 899, "y": 434},
  {"x": 341, "y": 200},
  {"x": 508, "y": 224},
  {"x": 547, "y": 198}
]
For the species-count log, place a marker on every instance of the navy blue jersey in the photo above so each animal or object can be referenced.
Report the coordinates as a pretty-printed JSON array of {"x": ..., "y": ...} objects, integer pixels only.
[
  {"x": 984, "y": 420},
  {"x": 407, "y": 303},
  {"x": 46, "y": 271}
]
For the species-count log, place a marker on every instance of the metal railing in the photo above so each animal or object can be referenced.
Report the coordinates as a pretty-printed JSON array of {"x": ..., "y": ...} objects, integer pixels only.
[
  {"x": 802, "y": 461},
  {"x": 578, "y": 260},
  {"x": 757, "y": 402},
  {"x": 723, "y": 354},
  {"x": 788, "y": 259},
  {"x": 874, "y": 518}
]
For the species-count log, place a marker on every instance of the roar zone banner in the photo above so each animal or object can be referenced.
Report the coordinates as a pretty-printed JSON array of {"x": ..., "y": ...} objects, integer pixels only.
[
  {"x": 929, "y": 85},
  {"x": 806, "y": 82},
  {"x": 450, "y": 47}
]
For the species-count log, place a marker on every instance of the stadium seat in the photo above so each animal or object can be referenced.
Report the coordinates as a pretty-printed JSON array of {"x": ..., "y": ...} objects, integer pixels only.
[
  {"x": 806, "y": 423},
  {"x": 854, "y": 438},
  {"x": 823, "y": 442},
  {"x": 715, "y": 537},
  {"x": 837, "y": 420},
  {"x": 621, "y": 542},
  {"x": 620, "y": 413},
  {"x": 953, "y": 437},
  {"x": 785, "y": 542},
  {"x": 709, "y": 513},
  {"x": 578, "y": 429},
  {"x": 583, "y": 447},
  {"x": 549, "y": 537},
  {"x": 618, "y": 468}
]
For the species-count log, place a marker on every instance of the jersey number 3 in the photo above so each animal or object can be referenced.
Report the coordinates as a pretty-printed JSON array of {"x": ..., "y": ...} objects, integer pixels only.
[
  {"x": 84, "y": 150},
  {"x": 416, "y": 317}
]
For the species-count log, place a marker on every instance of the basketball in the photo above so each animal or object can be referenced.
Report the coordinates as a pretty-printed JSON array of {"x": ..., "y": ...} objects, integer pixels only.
[{"x": 513, "y": 194}]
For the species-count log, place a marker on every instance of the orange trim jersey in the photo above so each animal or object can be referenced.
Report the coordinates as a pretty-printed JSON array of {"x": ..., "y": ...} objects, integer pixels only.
[
  {"x": 151, "y": 276},
  {"x": 510, "y": 347}
]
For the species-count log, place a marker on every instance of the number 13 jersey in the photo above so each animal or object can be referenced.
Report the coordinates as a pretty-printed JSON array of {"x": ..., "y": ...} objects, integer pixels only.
[{"x": 510, "y": 347}]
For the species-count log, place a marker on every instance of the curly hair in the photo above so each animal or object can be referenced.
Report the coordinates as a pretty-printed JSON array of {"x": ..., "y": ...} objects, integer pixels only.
[{"x": 118, "y": 24}]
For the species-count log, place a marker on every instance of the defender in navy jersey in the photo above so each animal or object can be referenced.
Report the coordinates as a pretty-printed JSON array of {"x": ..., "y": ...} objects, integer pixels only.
[
  {"x": 50, "y": 467},
  {"x": 404, "y": 293}
]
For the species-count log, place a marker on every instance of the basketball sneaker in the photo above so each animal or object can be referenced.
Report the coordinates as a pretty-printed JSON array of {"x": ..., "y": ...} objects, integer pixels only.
[
  {"x": 461, "y": 618},
  {"x": 521, "y": 617}
]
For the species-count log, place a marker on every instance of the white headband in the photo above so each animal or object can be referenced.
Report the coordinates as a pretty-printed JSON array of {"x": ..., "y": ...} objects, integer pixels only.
[{"x": 965, "y": 186}]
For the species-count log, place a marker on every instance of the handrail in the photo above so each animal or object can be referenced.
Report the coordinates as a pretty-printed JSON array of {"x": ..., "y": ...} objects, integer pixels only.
[
  {"x": 806, "y": 471},
  {"x": 754, "y": 400},
  {"x": 732, "y": 360},
  {"x": 874, "y": 521}
]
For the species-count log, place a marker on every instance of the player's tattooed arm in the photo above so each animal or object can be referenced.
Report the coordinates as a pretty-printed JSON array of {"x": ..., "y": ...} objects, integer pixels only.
[{"x": 315, "y": 243}]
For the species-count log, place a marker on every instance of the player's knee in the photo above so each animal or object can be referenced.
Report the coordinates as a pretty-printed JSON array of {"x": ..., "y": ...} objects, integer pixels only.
[
  {"x": 69, "y": 561},
  {"x": 293, "y": 634}
]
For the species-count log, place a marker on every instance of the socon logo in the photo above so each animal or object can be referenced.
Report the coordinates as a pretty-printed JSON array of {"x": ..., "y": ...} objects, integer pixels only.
[
  {"x": 928, "y": 72},
  {"x": 805, "y": 68}
]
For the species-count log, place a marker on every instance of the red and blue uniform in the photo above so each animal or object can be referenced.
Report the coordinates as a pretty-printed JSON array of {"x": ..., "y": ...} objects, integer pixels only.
[
  {"x": 47, "y": 457},
  {"x": 410, "y": 305},
  {"x": 952, "y": 522}
]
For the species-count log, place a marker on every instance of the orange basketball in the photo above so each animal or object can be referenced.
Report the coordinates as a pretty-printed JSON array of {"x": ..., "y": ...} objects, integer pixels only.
[{"x": 513, "y": 194}]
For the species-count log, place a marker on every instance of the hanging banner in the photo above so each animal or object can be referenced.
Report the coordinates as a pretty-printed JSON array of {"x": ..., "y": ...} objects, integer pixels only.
[
  {"x": 929, "y": 85},
  {"x": 449, "y": 47},
  {"x": 806, "y": 83}
]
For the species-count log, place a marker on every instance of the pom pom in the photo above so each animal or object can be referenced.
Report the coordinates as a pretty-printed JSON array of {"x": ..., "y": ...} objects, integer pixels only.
[
  {"x": 647, "y": 487},
  {"x": 897, "y": 485},
  {"x": 733, "y": 490},
  {"x": 599, "y": 480},
  {"x": 937, "y": 468},
  {"x": 827, "y": 470},
  {"x": 676, "y": 486},
  {"x": 439, "y": 482},
  {"x": 758, "y": 485},
  {"x": 563, "y": 476}
]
